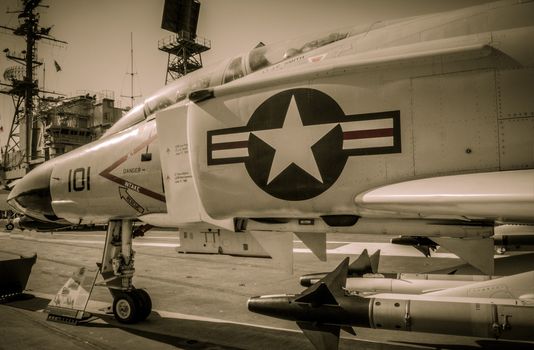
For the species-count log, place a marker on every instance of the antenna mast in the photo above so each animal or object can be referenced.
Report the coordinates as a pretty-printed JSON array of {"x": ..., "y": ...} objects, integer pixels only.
[
  {"x": 23, "y": 88},
  {"x": 131, "y": 73}
]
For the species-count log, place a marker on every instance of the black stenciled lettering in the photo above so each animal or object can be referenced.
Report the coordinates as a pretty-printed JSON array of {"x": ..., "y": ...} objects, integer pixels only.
[
  {"x": 89, "y": 178},
  {"x": 79, "y": 179},
  {"x": 70, "y": 179}
]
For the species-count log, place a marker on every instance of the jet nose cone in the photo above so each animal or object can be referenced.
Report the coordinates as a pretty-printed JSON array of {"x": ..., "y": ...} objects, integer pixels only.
[{"x": 31, "y": 194}]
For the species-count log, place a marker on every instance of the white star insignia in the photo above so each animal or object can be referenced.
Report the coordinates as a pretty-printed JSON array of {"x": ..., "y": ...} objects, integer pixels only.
[{"x": 293, "y": 143}]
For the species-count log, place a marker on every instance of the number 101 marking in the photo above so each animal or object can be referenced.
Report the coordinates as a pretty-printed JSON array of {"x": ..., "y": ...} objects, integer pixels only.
[{"x": 80, "y": 179}]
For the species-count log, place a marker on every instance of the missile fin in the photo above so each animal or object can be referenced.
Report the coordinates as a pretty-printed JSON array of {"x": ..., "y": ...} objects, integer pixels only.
[
  {"x": 477, "y": 252},
  {"x": 320, "y": 295},
  {"x": 337, "y": 279},
  {"x": 365, "y": 264},
  {"x": 375, "y": 260},
  {"x": 361, "y": 265},
  {"x": 328, "y": 287},
  {"x": 423, "y": 249},
  {"x": 315, "y": 241},
  {"x": 279, "y": 245},
  {"x": 323, "y": 337}
]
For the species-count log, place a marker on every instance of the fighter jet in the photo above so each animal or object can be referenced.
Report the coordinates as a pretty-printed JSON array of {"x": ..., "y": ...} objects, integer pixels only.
[{"x": 415, "y": 127}]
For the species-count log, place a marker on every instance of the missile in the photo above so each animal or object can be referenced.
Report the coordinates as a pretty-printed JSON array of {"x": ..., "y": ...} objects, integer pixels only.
[
  {"x": 409, "y": 283},
  {"x": 500, "y": 308},
  {"x": 363, "y": 278}
]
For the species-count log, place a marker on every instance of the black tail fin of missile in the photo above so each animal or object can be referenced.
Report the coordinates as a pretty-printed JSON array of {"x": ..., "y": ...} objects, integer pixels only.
[
  {"x": 320, "y": 295},
  {"x": 323, "y": 337},
  {"x": 328, "y": 288},
  {"x": 365, "y": 264}
]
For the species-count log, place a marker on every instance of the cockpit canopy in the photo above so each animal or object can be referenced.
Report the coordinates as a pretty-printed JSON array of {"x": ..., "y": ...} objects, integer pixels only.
[{"x": 261, "y": 57}]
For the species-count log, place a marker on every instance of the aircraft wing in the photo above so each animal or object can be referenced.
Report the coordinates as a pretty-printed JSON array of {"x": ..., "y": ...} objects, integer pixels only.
[{"x": 495, "y": 197}]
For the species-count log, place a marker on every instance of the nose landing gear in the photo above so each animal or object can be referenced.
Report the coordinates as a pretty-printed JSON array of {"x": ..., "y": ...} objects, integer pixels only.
[{"x": 130, "y": 305}]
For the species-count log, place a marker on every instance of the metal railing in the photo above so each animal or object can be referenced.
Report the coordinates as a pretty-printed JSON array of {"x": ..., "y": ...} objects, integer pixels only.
[{"x": 181, "y": 36}]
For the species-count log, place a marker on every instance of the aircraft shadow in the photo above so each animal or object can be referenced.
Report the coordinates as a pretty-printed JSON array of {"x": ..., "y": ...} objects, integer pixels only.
[
  {"x": 193, "y": 334},
  {"x": 196, "y": 334},
  {"x": 27, "y": 302}
]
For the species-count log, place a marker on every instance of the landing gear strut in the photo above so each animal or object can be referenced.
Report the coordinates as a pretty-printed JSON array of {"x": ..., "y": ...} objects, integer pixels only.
[{"x": 130, "y": 305}]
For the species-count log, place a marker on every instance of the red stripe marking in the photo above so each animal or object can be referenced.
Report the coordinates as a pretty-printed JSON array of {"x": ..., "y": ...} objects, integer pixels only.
[
  {"x": 365, "y": 134},
  {"x": 107, "y": 173},
  {"x": 229, "y": 145}
]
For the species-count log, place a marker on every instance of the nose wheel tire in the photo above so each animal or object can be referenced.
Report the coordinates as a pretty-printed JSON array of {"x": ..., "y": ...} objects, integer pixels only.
[
  {"x": 144, "y": 303},
  {"x": 125, "y": 308},
  {"x": 132, "y": 307}
]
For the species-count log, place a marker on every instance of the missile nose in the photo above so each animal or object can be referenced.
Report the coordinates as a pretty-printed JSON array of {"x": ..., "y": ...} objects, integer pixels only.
[
  {"x": 31, "y": 194},
  {"x": 272, "y": 305},
  {"x": 252, "y": 303},
  {"x": 262, "y": 305}
]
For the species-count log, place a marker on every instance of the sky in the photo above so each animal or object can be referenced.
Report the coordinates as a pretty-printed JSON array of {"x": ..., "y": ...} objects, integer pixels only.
[{"x": 97, "y": 56}]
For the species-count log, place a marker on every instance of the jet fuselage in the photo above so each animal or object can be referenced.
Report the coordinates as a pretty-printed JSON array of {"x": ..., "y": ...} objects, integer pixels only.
[{"x": 299, "y": 129}]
